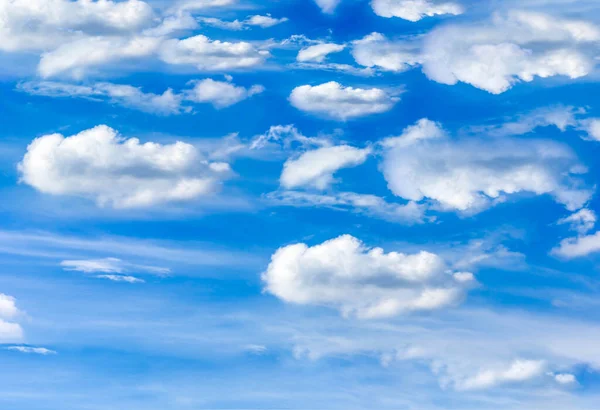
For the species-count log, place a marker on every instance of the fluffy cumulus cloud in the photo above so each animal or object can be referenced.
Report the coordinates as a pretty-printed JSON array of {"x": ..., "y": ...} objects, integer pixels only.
[
  {"x": 577, "y": 247},
  {"x": 100, "y": 164},
  {"x": 212, "y": 55},
  {"x": 10, "y": 330},
  {"x": 78, "y": 58},
  {"x": 376, "y": 51},
  {"x": 414, "y": 10},
  {"x": 342, "y": 103},
  {"x": 220, "y": 93},
  {"x": 43, "y": 24},
  {"x": 471, "y": 174},
  {"x": 328, "y": 6},
  {"x": 318, "y": 52},
  {"x": 512, "y": 47},
  {"x": 315, "y": 168},
  {"x": 345, "y": 274}
]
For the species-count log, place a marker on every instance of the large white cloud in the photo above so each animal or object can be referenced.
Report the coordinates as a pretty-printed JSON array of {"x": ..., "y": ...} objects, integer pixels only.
[
  {"x": 100, "y": 164},
  {"x": 78, "y": 58},
  {"x": 366, "y": 282},
  {"x": 512, "y": 47},
  {"x": 471, "y": 174},
  {"x": 414, "y": 10},
  {"x": 315, "y": 168},
  {"x": 339, "y": 102},
  {"x": 39, "y": 24},
  {"x": 208, "y": 55}
]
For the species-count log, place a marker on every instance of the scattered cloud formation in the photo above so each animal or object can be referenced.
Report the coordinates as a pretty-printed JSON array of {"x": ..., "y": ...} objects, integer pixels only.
[
  {"x": 414, "y": 10},
  {"x": 365, "y": 282},
  {"x": 581, "y": 221},
  {"x": 341, "y": 103},
  {"x": 471, "y": 174},
  {"x": 100, "y": 164}
]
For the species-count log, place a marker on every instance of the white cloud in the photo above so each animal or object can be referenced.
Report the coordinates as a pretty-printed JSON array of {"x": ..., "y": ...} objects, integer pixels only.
[
  {"x": 581, "y": 221},
  {"x": 592, "y": 128},
  {"x": 111, "y": 265},
  {"x": 565, "y": 378},
  {"x": 342, "y": 103},
  {"x": 561, "y": 117},
  {"x": 414, "y": 10},
  {"x": 580, "y": 246},
  {"x": 32, "y": 350},
  {"x": 316, "y": 168},
  {"x": 252, "y": 21},
  {"x": 376, "y": 51},
  {"x": 370, "y": 205},
  {"x": 100, "y": 164},
  {"x": 10, "y": 331},
  {"x": 121, "y": 278},
  {"x": 167, "y": 103},
  {"x": 197, "y": 5},
  {"x": 517, "y": 371},
  {"x": 211, "y": 55},
  {"x": 317, "y": 53},
  {"x": 328, "y": 6},
  {"x": 512, "y": 47},
  {"x": 472, "y": 174},
  {"x": 367, "y": 282},
  {"x": 77, "y": 58},
  {"x": 220, "y": 93},
  {"x": 42, "y": 24}
]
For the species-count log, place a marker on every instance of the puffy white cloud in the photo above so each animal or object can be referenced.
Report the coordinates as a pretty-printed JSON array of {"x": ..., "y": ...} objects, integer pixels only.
[
  {"x": 211, "y": 55},
  {"x": 166, "y": 103},
  {"x": 512, "y": 47},
  {"x": 336, "y": 101},
  {"x": 370, "y": 205},
  {"x": 100, "y": 164},
  {"x": 367, "y": 282},
  {"x": 581, "y": 221},
  {"x": 470, "y": 174},
  {"x": 517, "y": 371},
  {"x": 220, "y": 93},
  {"x": 318, "y": 52},
  {"x": 252, "y": 21},
  {"x": 592, "y": 128},
  {"x": 35, "y": 350},
  {"x": 41, "y": 24},
  {"x": 414, "y": 10},
  {"x": 10, "y": 331},
  {"x": 315, "y": 168},
  {"x": 110, "y": 265},
  {"x": 328, "y": 6},
  {"x": 565, "y": 378},
  {"x": 375, "y": 50},
  {"x": 577, "y": 247},
  {"x": 77, "y": 58}
]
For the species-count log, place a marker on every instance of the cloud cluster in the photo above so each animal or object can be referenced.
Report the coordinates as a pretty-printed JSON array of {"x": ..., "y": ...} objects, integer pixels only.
[
  {"x": 341, "y": 103},
  {"x": 365, "y": 282},
  {"x": 10, "y": 330},
  {"x": 414, "y": 10},
  {"x": 252, "y": 21},
  {"x": 471, "y": 174},
  {"x": 100, "y": 164}
]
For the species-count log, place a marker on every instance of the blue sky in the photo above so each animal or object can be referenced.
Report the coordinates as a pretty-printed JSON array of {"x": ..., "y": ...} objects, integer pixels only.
[{"x": 298, "y": 204}]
